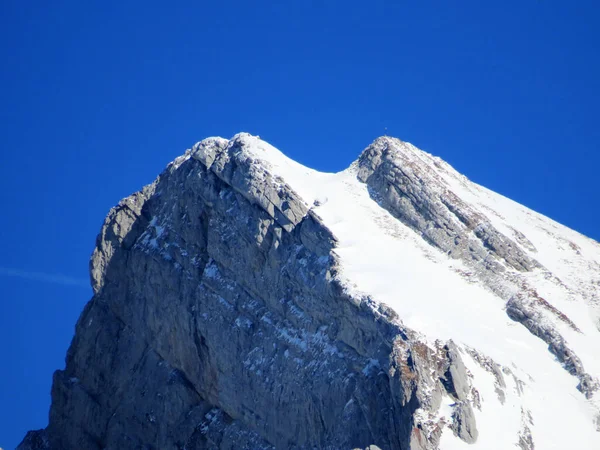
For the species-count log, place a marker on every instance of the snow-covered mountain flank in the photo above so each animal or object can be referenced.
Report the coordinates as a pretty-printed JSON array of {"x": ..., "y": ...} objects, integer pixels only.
[{"x": 243, "y": 300}]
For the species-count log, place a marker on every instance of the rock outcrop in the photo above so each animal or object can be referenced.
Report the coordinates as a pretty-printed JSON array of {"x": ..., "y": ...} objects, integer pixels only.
[{"x": 406, "y": 185}]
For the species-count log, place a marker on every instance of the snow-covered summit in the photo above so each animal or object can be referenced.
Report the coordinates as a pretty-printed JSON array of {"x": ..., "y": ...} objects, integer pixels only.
[{"x": 243, "y": 300}]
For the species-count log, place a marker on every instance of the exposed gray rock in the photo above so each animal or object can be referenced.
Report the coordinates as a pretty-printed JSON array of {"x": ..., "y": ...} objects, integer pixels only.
[
  {"x": 406, "y": 186},
  {"x": 523, "y": 313},
  {"x": 491, "y": 366},
  {"x": 523, "y": 241},
  {"x": 455, "y": 378},
  {"x": 525, "y": 438},
  {"x": 252, "y": 180},
  {"x": 464, "y": 422}
]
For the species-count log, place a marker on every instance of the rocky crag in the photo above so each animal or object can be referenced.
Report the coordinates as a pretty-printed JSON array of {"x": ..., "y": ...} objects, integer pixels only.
[{"x": 222, "y": 316}]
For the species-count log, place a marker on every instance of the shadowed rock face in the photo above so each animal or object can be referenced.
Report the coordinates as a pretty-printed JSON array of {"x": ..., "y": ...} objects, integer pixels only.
[{"x": 217, "y": 322}]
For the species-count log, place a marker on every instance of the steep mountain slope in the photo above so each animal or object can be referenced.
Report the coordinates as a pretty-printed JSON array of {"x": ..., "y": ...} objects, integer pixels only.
[{"x": 245, "y": 301}]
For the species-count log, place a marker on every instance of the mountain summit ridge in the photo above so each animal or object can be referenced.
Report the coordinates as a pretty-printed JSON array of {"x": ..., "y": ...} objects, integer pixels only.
[{"x": 243, "y": 300}]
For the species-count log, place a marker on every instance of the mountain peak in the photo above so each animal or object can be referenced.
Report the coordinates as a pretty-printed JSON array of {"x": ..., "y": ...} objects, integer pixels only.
[{"x": 243, "y": 300}]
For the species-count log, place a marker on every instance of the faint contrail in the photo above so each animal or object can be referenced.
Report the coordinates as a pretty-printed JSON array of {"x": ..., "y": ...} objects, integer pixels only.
[{"x": 45, "y": 277}]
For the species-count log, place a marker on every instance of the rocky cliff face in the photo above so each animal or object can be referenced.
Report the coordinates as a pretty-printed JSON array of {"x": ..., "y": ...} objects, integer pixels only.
[{"x": 223, "y": 315}]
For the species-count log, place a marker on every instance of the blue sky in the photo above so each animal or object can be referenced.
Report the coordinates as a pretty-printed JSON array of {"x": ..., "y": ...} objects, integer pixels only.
[{"x": 97, "y": 97}]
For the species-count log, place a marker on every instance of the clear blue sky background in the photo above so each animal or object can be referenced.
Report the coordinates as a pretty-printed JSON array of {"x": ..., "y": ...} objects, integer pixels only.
[{"x": 97, "y": 97}]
